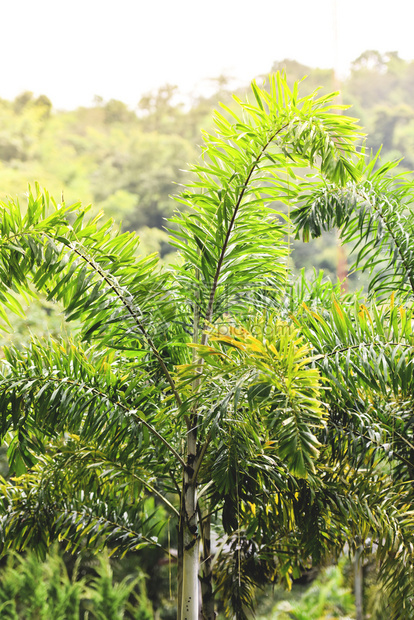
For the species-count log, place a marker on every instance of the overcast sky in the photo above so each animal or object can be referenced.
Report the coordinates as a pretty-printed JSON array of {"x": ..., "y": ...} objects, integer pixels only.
[{"x": 71, "y": 50}]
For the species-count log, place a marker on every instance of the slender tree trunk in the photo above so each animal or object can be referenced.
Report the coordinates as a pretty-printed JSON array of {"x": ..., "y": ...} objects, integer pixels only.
[
  {"x": 180, "y": 558},
  {"x": 358, "y": 583},
  {"x": 190, "y": 593},
  {"x": 207, "y": 573}
]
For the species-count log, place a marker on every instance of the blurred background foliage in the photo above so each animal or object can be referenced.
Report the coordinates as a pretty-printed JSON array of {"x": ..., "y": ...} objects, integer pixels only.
[
  {"x": 128, "y": 163},
  {"x": 61, "y": 589}
]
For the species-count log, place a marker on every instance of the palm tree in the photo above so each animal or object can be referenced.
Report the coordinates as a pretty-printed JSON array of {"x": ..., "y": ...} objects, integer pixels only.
[{"x": 191, "y": 385}]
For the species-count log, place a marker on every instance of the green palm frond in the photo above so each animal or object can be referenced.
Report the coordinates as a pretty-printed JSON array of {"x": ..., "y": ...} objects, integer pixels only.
[
  {"x": 360, "y": 346},
  {"x": 79, "y": 505},
  {"x": 375, "y": 218},
  {"x": 91, "y": 269},
  {"x": 56, "y": 387},
  {"x": 272, "y": 378},
  {"x": 230, "y": 240}
]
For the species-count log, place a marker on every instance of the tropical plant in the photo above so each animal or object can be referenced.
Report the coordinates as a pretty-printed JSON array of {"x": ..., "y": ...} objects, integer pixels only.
[
  {"x": 327, "y": 597},
  {"x": 109, "y": 600},
  {"x": 31, "y": 588},
  {"x": 191, "y": 384}
]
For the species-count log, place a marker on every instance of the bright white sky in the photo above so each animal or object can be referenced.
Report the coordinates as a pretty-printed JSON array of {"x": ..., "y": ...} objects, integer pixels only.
[{"x": 71, "y": 50}]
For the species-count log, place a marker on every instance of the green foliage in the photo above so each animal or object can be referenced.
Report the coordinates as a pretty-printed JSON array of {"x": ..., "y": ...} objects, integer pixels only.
[
  {"x": 281, "y": 389},
  {"x": 30, "y": 589},
  {"x": 326, "y": 598},
  {"x": 125, "y": 162},
  {"x": 374, "y": 217},
  {"x": 198, "y": 377},
  {"x": 366, "y": 351},
  {"x": 109, "y": 600}
]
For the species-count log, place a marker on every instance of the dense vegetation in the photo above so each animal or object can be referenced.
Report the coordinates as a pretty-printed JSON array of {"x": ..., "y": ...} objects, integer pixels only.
[{"x": 248, "y": 410}]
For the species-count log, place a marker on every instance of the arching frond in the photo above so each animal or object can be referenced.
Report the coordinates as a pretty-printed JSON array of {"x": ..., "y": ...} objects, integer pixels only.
[
  {"x": 375, "y": 218},
  {"x": 50, "y": 389},
  {"x": 34, "y": 514},
  {"x": 229, "y": 238}
]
